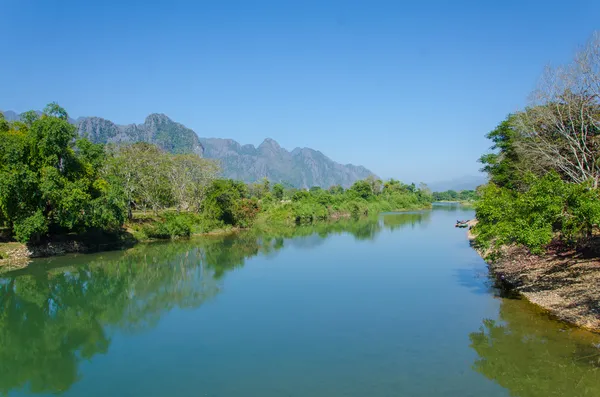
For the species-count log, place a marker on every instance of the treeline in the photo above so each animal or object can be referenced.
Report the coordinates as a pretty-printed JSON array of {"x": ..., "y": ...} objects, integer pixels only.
[
  {"x": 232, "y": 204},
  {"x": 364, "y": 197},
  {"x": 545, "y": 169},
  {"x": 54, "y": 183},
  {"x": 453, "y": 195}
]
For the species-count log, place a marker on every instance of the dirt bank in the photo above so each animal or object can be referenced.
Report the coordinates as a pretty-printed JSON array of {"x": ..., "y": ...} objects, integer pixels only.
[{"x": 564, "y": 282}]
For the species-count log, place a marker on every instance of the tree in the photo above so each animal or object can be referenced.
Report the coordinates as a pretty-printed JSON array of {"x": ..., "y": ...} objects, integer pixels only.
[
  {"x": 226, "y": 203},
  {"x": 190, "y": 176},
  {"x": 376, "y": 184},
  {"x": 143, "y": 169},
  {"x": 560, "y": 129},
  {"x": 336, "y": 189},
  {"x": 362, "y": 189},
  {"x": 260, "y": 189},
  {"x": 50, "y": 182},
  {"x": 278, "y": 190}
]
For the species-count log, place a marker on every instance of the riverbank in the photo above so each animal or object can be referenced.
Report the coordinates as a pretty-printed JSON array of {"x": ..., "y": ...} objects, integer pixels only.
[
  {"x": 565, "y": 283},
  {"x": 14, "y": 255}
]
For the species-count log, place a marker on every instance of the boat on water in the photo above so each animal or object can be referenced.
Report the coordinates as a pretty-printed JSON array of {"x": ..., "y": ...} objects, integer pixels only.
[{"x": 462, "y": 224}]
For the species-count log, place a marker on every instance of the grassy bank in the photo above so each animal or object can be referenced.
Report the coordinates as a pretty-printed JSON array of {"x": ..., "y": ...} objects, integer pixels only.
[{"x": 296, "y": 212}]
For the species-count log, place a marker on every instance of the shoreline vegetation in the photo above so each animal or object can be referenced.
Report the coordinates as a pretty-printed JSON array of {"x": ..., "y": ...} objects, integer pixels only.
[
  {"x": 15, "y": 255},
  {"x": 60, "y": 193},
  {"x": 538, "y": 217}
]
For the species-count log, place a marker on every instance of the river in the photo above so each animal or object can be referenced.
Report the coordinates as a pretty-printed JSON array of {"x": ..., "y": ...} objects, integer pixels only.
[{"x": 394, "y": 306}]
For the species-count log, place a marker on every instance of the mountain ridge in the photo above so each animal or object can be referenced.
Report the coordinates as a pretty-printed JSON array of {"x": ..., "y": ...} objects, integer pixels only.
[{"x": 301, "y": 167}]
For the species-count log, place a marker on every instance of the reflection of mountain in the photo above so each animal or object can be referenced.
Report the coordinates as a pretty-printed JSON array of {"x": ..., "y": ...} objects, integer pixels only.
[{"x": 532, "y": 356}]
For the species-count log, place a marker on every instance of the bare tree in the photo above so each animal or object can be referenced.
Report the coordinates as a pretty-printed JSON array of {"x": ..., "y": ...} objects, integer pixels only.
[
  {"x": 561, "y": 128},
  {"x": 189, "y": 177}
]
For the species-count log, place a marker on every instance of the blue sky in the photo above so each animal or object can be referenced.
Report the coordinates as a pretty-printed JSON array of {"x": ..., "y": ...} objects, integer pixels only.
[{"x": 408, "y": 89}]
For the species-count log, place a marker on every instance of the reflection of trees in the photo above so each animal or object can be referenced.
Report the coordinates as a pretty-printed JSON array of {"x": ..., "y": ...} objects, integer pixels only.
[
  {"x": 60, "y": 311},
  {"x": 533, "y": 357},
  {"x": 52, "y": 320},
  {"x": 394, "y": 221},
  {"x": 360, "y": 229}
]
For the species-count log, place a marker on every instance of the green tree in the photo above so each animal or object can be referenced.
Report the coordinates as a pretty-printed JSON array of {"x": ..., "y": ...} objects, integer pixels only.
[
  {"x": 50, "y": 182},
  {"x": 504, "y": 165},
  {"x": 278, "y": 191},
  {"x": 362, "y": 189}
]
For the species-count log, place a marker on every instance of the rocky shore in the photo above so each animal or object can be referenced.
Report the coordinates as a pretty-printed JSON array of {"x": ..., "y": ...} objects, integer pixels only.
[
  {"x": 16, "y": 255},
  {"x": 565, "y": 283}
]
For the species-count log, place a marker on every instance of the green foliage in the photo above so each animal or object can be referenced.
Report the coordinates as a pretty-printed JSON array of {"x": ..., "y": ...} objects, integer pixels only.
[
  {"x": 31, "y": 227},
  {"x": 531, "y": 201},
  {"x": 336, "y": 189},
  {"x": 363, "y": 198},
  {"x": 227, "y": 202},
  {"x": 278, "y": 190},
  {"x": 50, "y": 182},
  {"x": 362, "y": 189},
  {"x": 549, "y": 208},
  {"x": 453, "y": 195},
  {"x": 171, "y": 226},
  {"x": 504, "y": 166}
]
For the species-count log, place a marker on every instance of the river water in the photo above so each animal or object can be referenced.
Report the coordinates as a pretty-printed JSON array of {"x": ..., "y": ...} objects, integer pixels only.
[{"x": 394, "y": 306}]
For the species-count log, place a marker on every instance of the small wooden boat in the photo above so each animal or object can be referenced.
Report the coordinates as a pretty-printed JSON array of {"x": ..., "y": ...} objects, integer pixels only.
[{"x": 462, "y": 224}]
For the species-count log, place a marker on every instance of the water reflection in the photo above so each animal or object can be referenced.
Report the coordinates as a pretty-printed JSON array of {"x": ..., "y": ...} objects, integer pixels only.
[
  {"x": 52, "y": 320},
  {"x": 399, "y": 220},
  {"x": 62, "y": 311},
  {"x": 532, "y": 356}
]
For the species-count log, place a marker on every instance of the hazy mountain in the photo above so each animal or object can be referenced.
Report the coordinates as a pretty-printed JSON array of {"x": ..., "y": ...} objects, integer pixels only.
[
  {"x": 467, "y": 182},
  {"x": 302, "y": 167},
  {"x": 10, "y": 115},
  {"x": 14, "y": 116}
]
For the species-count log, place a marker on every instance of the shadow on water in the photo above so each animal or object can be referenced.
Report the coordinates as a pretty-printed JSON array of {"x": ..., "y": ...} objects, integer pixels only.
[
  {"x": 61, "y": 311},
  {"x": 527, "y": 353},
  {"x": 477, "y": 280}
]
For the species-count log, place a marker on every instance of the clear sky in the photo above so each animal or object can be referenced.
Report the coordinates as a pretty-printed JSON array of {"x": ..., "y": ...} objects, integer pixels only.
[{"x": 406, "y": 88}]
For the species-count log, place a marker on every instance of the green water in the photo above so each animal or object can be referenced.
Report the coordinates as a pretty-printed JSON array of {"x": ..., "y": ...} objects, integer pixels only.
[{"x": 396, "y": 306}]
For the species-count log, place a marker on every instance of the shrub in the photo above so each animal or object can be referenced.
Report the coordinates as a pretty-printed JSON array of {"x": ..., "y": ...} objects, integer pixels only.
[{"x": 172, "y": 226}]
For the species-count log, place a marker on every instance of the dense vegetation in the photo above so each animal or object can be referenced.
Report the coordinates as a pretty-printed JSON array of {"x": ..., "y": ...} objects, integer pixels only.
[
  {"x": 453, "y": 195},
  {"x": 51, "y": 183},
  {"x": 54, "y": 183},
  {"x": 545, "y": 168}
]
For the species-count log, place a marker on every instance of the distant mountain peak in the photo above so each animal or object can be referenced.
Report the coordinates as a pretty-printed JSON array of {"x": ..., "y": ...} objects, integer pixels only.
[
  {"x": 157, "y": 128},
  {"x": 302, "y": 167},
  {"x": 157, "y": 118},
  {"x": 269, "y": 143}
]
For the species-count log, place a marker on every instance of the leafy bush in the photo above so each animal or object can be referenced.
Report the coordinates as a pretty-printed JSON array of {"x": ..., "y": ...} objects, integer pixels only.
[
  {"x": 172, "y": 226},
  {"x": 547, "y": 208},
  {"x": 31, "y": 228}
]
